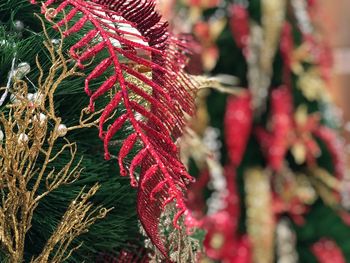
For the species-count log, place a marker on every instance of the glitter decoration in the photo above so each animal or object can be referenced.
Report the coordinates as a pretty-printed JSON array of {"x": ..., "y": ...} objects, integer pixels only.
[
  {"x": 239, "y": 22},
  {"x": 287, "y": 45},
  {"x": 273, "y": 16},
  {"x": 216, "y": 171},
  {"x": 27, "y": 142},
  {"x": 275, "y": 142},
  {"x": 262, "y": 48},
  {"x": 304, "y": 147},
  {"x": 260, "y": 216},
  {"x": 302, "y": 15},
  {"x": 286, "y": 242},
  {"x": 222, "y": 241},
  {"x": 327, "y": 251},
  {"x": 238, "y": 126},
  {"x": 312, "y": 85},
  {"x": 163, "y": 177}
]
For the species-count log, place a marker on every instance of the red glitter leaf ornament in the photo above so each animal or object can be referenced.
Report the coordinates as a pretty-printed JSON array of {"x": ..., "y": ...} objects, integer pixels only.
[
  {"x": 287, "y": 44},
  {"x": 240, "y": 25},
  {"x": 238, "y": 126},
  {"x": 121, "y": 37},
  {"x": 327, "y": 251},
  {"x": 275, "y": 143}
]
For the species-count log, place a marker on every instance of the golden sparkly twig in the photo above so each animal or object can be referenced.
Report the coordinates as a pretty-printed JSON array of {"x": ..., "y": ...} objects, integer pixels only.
[
  {"x": 31, "y": 132},
  {"x": 183, "y": 248}
]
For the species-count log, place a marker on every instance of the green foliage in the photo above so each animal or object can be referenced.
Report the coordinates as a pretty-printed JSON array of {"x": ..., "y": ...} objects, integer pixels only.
[
  {"x": 120, "y": 228},
  {"x": 321, "y": 222}
]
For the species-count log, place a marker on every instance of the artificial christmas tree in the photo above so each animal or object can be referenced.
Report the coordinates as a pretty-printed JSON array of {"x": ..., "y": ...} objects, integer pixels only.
[{"x": 69, "y": 67}]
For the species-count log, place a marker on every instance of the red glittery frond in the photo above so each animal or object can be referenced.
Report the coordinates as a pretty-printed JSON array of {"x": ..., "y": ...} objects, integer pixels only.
[
  {"x": 167, "y": 95},
  {"x": 238, "y": 126},
  {"x": 274, "y": 143},
  {"x": 239, "y": 23},
  {"x": 327, "y": 251}
]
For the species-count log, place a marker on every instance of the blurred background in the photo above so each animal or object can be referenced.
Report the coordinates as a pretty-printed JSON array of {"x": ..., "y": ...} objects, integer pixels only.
[{"x": 270, "y": 142}]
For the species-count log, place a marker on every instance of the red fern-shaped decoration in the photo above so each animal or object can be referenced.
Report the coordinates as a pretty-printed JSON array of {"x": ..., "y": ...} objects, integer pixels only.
[
  {"x": 274, "y": 143},
  {"x": 163, "y": 177},
  {"x": 238, "y": 126}
]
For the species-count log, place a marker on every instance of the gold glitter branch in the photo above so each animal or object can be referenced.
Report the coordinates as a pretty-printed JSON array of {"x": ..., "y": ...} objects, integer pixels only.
[
  {"x": 31, "y": 131},
  {"x": 76, "y": 221},
  {"x": 260, "y": 218}
]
